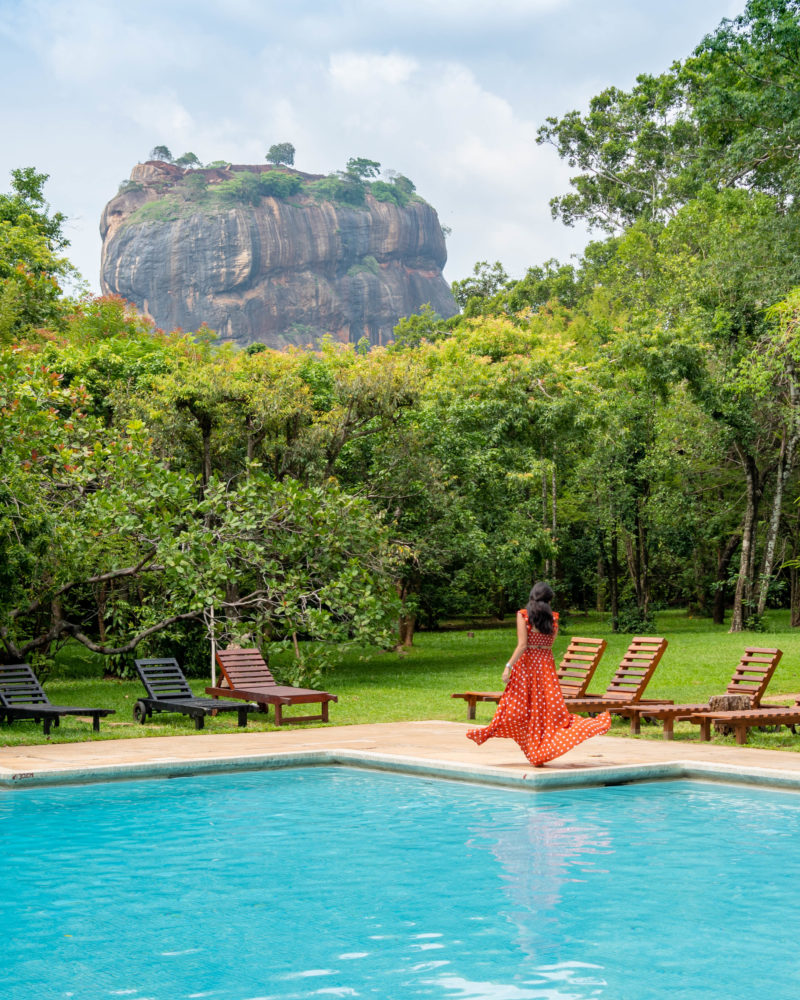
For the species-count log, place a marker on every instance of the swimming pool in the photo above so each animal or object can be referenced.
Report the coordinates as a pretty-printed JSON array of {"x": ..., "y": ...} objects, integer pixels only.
[{"x": 335, "y": 882}]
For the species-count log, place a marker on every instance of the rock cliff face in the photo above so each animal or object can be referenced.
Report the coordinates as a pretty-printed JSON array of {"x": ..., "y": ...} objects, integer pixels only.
[{"x": 284, "y": 271}]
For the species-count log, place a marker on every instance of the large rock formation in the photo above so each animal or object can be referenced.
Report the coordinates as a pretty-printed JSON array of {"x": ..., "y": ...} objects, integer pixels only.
[{"x": 284, "y": 271}]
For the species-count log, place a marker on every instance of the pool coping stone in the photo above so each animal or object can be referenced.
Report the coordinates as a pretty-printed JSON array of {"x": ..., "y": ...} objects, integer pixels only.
[{"x": 44, "y": 765}]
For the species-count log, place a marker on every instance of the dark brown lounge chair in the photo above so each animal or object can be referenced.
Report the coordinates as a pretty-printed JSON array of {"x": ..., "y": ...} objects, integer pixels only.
[
  {"x": 629, "y": 682},
  {"x": 575, "y": 672},
  {"x": 750, "y": 678},
  {"x": 22, "y": 697},
  {"x": 245, "y": 675},
  {"x": 746, "y": 719}
]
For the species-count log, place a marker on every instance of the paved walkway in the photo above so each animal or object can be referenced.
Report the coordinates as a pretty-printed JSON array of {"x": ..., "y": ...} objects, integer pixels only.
[{"x": 422, "y": 747}]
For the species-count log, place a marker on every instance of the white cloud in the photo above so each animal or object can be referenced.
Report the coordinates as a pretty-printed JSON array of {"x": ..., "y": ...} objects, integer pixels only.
[
  {"x": 358, "y": 72},
  {"x": 162, "y": 113},
  {"x": 449, "y": 92}
]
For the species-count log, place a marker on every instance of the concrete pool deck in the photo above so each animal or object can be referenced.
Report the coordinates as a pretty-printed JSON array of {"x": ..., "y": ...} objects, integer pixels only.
[{"x": 432, "y": 748}]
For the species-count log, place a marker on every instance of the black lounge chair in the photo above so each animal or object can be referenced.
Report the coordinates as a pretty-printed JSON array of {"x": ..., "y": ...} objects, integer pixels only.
[
  {"x": 168, "y": 691},
  {"x": 22, "y": 697}
]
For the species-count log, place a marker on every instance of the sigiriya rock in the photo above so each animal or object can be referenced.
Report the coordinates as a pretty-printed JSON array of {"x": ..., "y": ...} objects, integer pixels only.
[{"x": 272, "y": 256}]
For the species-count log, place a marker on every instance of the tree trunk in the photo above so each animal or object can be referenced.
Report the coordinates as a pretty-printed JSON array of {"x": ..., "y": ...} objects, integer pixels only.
[
  {"x": 785, "y": 466},
  {"x": 601, "y": 584},
  {"x": 636, "y": 557},
  {"x": 742, "y": 599},
  {"x": 407, "y": 622},
  {"x": 613, "y": 580},
  {"x": 554, "y": 523},
  {"x": 724, "y": 556},
  {"x": 794, "y": 597}
]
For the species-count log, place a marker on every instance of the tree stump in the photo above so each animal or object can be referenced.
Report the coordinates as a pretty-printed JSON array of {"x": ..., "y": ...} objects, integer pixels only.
[{"x": 727, "y": 703}]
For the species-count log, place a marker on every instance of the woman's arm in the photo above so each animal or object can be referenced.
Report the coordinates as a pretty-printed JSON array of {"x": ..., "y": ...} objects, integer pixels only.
[{"x": 522, "y": 645}]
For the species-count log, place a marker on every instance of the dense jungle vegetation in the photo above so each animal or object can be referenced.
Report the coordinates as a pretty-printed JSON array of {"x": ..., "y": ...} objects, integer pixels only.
[{"x": 626, "y": 426}]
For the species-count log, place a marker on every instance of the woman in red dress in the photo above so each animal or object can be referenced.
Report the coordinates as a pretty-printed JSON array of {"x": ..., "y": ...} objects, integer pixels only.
[{"x": 532, "y": 710}]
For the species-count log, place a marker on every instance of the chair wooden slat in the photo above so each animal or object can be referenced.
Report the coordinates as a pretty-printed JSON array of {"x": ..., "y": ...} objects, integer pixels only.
[{"x": 246, "y": 675}]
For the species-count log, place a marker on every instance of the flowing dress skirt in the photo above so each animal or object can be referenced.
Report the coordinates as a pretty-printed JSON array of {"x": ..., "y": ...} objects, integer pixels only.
[{"x": 532, "y": 711}]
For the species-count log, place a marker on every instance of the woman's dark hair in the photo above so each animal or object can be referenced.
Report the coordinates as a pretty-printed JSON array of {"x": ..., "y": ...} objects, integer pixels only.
[{"x": 540, "y": 614}]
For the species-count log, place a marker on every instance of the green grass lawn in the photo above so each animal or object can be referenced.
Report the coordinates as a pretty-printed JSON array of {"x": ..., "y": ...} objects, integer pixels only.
[{"x": 388, "y": 687}]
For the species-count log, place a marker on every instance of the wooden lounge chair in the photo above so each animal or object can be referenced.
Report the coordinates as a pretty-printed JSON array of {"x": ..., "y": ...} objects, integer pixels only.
[
  {"x": 750, "y": 679},
  {"x": 245, "y": 674},
  {"x": 22, "y": 697},
  {"x": 575, "y": 672},
  {"x": 629, "y": 682},
  {"x": 745, "y": 719},
  {"x": 169, "y": 691}
]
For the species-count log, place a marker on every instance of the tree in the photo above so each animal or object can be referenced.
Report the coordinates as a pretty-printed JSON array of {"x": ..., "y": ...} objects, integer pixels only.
[
  {"x": 31, "y": 266},
  {"x": 195, "y": 185},
  {"x": 362, "y": 168},
  {"x": 161, "y": 153},
  {"x": 188, "y": 161},
  {"x": 729, "y": 117},
  {"x": 103, "y": 542},
  {"x": 743, "y": 88},
  {"x": 486, "y": 280},
  {"x": 281, "y": 153}
]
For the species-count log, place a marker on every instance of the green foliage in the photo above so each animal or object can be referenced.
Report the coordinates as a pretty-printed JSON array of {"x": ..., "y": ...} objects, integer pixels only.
[
  {"x": 281, "y": 152},
  {"x": 486, "y": 280},
  {"x": 339, "y": 187},
  {"x": 249, "y": 188},
  {"x": 128, "y": 185},
  {"x": 161, "y": 153},
  {"x": 729, "y": 117},
  {"x": 244, "y": 188},
  {"x": 195, "y": 185},
  {"x": 362, "y": 168},
  {"x": 427, "y": 324},
  {"x": 367, "y": 265},
  {"x": 188, "y": 161},
  {"x": 381, "y": 191},
  {"x": 31, "y": 241},
  {"x": 277, "y": 184}
]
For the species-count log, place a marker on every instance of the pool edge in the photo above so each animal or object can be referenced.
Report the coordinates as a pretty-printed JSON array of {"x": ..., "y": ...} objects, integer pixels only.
[{"x": 541, "y": 780}]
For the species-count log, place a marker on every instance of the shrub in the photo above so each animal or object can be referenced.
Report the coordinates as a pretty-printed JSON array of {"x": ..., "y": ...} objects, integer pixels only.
[
  {"x": 340, "y": 187},
  {"x": 381, "y": 191},
  {"x": 631, "y": 620},
  {"x": 277, "y": 184}
]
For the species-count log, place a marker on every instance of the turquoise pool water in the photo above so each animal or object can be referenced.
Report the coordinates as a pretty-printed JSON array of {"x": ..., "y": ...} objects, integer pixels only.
[{"x": 332, "y": 882}]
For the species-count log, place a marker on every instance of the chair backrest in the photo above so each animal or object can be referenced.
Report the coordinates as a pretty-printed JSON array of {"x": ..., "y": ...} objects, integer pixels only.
[
  {"x": 244, "y": 668},
  {"x": 578, "y": 665},
  {"x": 164, "y": 680},
  {"x": 754, "y": 672},
  {"x": 19, "y": 685},
  {"x": 636, "y": 668}
]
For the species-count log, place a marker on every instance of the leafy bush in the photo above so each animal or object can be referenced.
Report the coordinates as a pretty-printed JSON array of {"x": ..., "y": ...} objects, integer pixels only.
[
  {"x": 340, "y": 187},
  {"x": 381, "y": 191},
  {"x": 194, "y": 186},
  {"x": 129, "y": 185},
  {"x": 251, "y": 188},
  {"x": 277, "y": 184},
  {"x": 367, "y": 264},
  {"x": 244, "y": 188},
  {"x": 631, "y": 620}
]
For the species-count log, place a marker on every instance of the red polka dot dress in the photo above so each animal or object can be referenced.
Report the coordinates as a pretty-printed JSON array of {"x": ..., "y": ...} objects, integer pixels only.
[{"x": 532, "y": 711}]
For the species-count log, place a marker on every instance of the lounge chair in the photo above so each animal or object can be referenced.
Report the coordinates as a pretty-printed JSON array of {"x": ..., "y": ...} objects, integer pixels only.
[
  {"x": 629, "y": 682},
  {"x": 245, "y": 674},
  {"x": 745, "y": 719},
  {"x": 22, "y": 697},
  {"x": 750, "y": 679},
  {"x": 168, "y": 691},
  {"x": 575, "y": 672}
]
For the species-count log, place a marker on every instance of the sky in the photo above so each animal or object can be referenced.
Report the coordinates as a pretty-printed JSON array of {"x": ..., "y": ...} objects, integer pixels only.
[{"x": 448, "y": 92}]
